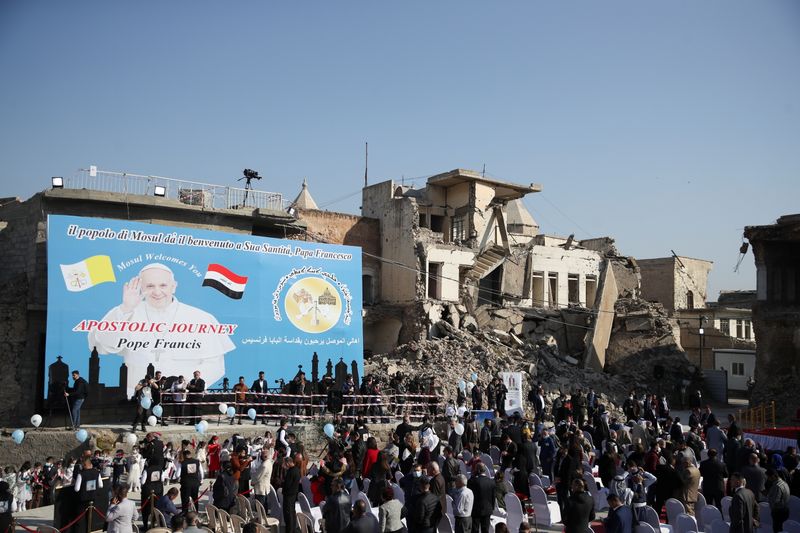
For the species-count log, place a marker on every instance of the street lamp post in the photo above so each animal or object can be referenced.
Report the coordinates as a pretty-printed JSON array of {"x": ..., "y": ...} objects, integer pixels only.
[{"x": 703, "y": 319}]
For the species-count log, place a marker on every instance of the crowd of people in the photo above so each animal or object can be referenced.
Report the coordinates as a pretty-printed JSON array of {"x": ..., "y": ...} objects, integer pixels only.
[{"x": 643, "y": 458}]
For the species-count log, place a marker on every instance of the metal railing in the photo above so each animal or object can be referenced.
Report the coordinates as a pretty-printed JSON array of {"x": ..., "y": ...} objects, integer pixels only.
[
  {"x": 187, "y": 192},
  {"x": 758, "y": 417}
]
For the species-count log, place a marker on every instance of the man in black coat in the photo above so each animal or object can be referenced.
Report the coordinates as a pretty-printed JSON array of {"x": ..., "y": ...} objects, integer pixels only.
[
  {"x": 291, "y": 487},
  {"x": 76, "y": 395},
  {"x": 337, "y": 508},
  {"x": 424, "y": 509},
  {"x": 668, "y": 484},
  {"x": 403, "y": 429},
  {"x": 195, "y": 390},
  {"x": 744, "y": 507},
  {"x": 714, "y": 473},
  {"x": 482, "y": 488},
  {"x": 260, "y": 387},
  {"x": 620, "y": 517},
  {"x": 579, "y": 508},
  {"x": 756, "y": 477},
  {"x": 528, "y": 455}
]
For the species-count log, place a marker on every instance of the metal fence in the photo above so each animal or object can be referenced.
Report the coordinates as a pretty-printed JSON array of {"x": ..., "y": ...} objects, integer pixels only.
[{"x": 187, "y": 192}]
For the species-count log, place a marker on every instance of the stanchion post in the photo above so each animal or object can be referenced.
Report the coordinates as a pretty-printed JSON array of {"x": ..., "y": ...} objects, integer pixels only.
[
  {"x": 89, "y": 517},
  {"x": 773, "y": 414}
]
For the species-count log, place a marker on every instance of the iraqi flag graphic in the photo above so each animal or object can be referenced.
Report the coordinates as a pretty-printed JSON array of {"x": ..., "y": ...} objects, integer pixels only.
[{"x": 230, "y": 284}]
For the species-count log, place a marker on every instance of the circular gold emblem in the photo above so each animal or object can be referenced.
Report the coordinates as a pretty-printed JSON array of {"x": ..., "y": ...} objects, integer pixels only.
[{"x": 313, "y": 305}]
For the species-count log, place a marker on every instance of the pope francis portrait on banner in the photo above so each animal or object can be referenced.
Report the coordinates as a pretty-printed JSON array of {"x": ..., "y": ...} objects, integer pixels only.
[{"x": 151, "y": 326}]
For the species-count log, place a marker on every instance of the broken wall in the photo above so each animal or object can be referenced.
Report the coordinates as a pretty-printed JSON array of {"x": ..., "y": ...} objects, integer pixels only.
[{"x": 399, "y": 219}]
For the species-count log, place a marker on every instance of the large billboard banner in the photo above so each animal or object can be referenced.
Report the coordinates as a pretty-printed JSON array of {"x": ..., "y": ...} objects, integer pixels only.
[{"x": 149, "y": 297}]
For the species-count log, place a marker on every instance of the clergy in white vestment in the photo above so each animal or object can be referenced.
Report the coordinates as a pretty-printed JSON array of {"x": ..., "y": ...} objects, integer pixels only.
[{"x": 151, "y": 326}]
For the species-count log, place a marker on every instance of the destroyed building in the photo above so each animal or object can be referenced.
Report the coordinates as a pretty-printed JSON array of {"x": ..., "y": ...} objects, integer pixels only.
[
  {"x": 462, "y": 259},
  {"x": 776, "y": 313}
]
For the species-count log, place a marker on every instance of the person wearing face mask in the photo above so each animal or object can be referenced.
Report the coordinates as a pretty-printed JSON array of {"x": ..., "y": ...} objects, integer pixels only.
[{"x": 410, "y": 482}]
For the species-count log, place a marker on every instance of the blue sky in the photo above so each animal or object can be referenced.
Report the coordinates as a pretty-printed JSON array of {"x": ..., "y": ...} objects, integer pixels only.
[{"x": 666, "y": 125}]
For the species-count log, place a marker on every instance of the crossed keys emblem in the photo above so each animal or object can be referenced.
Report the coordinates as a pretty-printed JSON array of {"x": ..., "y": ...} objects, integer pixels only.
[{"x": 78, "y": 279}]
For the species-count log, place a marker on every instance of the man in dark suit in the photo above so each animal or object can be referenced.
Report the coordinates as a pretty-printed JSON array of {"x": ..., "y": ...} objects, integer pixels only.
[
  {"x": 260, "y": 387},
  {"x": 579, "y": 509},
  {"x": 528, "y": 455},
  {"x": 744, "y": 507},
  {"x": 482, "y": 488},
  {"x": 76, "y": 395},
  {"x": 714, "y": 473},
  {"x": 291, "y": 487},
  {"x": 755, "y": 476},
  {"x": 424, "y": 509},
  {"x": 337, "y": 508},
  {"x": 195, "y": 388},
  {"x": 620, "y": 517}
]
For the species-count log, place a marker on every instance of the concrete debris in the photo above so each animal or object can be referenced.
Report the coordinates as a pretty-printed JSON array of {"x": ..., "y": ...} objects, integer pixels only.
[{"x": 545, "y": 345}]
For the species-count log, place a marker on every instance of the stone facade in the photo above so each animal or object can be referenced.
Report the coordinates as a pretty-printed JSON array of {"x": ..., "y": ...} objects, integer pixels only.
[
  {"x": 776, "y": 313},
  {"x": 675, "y": 282}
]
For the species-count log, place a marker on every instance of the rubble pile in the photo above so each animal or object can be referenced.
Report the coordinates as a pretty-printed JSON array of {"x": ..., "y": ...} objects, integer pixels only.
[
  {"x": 451, "y": 344},
  {"x": 457, "y": 353},
  {"x": 643, "y": 338}
]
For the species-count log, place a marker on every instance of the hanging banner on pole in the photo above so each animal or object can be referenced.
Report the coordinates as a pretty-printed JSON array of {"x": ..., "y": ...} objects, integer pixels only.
[{"x": 513, "y": 382}]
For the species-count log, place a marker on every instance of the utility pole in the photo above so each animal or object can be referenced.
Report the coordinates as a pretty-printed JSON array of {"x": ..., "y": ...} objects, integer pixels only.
[{"x": 702, "y": 319}]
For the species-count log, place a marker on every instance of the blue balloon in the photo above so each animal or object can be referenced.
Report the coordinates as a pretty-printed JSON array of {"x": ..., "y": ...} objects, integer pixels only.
[
  {"x": 158, "y": 410},
  {"x": 146, "y": 402},
  {"x": 462, "y": 384},
  {"x": 81, "y": 435},
  {"x": 474, "y": 376},
  {"x": 328, "y": 429},
  {"x": 251, "y": 414},
  {"x": 18, "y": 436},
  {"x": 231, "y": 412}
]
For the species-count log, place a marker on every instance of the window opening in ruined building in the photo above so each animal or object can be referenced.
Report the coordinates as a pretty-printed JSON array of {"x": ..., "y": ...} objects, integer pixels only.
[
  {"x": 538, "y": 289},
  {"x": 573, "y": 292},
  {"x": 725, "y": 326},
  {"x": 367, "y": 295},
  {"x": 742, "y": 329},
  {"x": 552, "y": 293},
  {"x": 437, "y": 223},
  {"x": 434, "y": 275},
  {"x": 490, "y": 287},
  {"x": 737, "y": 369},
  {"x": 591, "y": 290},
  {"x": 423, "y": 220},
  {"x": 458, "y": 228},
  {"x": 689, "y": 300}
]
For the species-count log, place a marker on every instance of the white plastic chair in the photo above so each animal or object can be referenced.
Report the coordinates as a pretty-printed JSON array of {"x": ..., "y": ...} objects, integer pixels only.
[
  {"x": 674, "y": 508},
  {"x": 398, "y": 493},
  {"x": 313, "y": 513},
  {"x": 466, "y": 455},
  {"x": 764, "y": 518},
  {"x": 366, "y": 482},
  {"x": 794, "y": 508},
  {"x": 305, "y": 485},
  {"x": 726, "y": 508},
  {"x": 489, "y": 462},
  {"x": 600, "y": 496},
  {"x": 708, "y": 515},
  {"x": 514, "y": 512},
  {"x": 791, "y": 526},
  {"x": 698, "y": 510},
  {"x": 651, "y": 518},
  {"x": 547, "y": 512},
  {"x": 445, "y": 525},
  {"x": 449, "y": 500},
  {"x": 494, "y": 453},
  {"x": 685, "y": 523},
  {"x": 374, "y": 521},
  {"x": 363, "y": 497},
  {"x": 644, "y": 527},
  {"x": 304, "y": 523},
  {"x": 398, "y": 476},
  {"x": 720, "y": 526},
  {"x": 211, "y": 512},
  {"x": 275, "y": 507}
]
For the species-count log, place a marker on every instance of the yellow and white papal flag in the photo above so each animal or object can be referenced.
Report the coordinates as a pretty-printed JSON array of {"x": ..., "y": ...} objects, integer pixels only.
[{"x": 88, "y": 273}]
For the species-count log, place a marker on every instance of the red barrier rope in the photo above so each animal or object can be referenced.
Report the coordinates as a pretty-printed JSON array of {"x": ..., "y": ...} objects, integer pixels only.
[
  {"x": 245, "y": 493},
  {"x": 99, "y": 513},
  {"x": 29, "y": 530},
  {"x": 75, "y": 521},
  {"x": 202, "y": 494}
]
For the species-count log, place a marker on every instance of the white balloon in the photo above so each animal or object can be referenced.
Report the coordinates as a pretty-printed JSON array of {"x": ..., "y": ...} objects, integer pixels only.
[
  {"x": 151, "y": 420},
  {"x": 131, "y": 439},
  {"x": 36, "y": 420},
  {"x": 223, "y": 408},
  {"x": 459, "y": 429}
]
